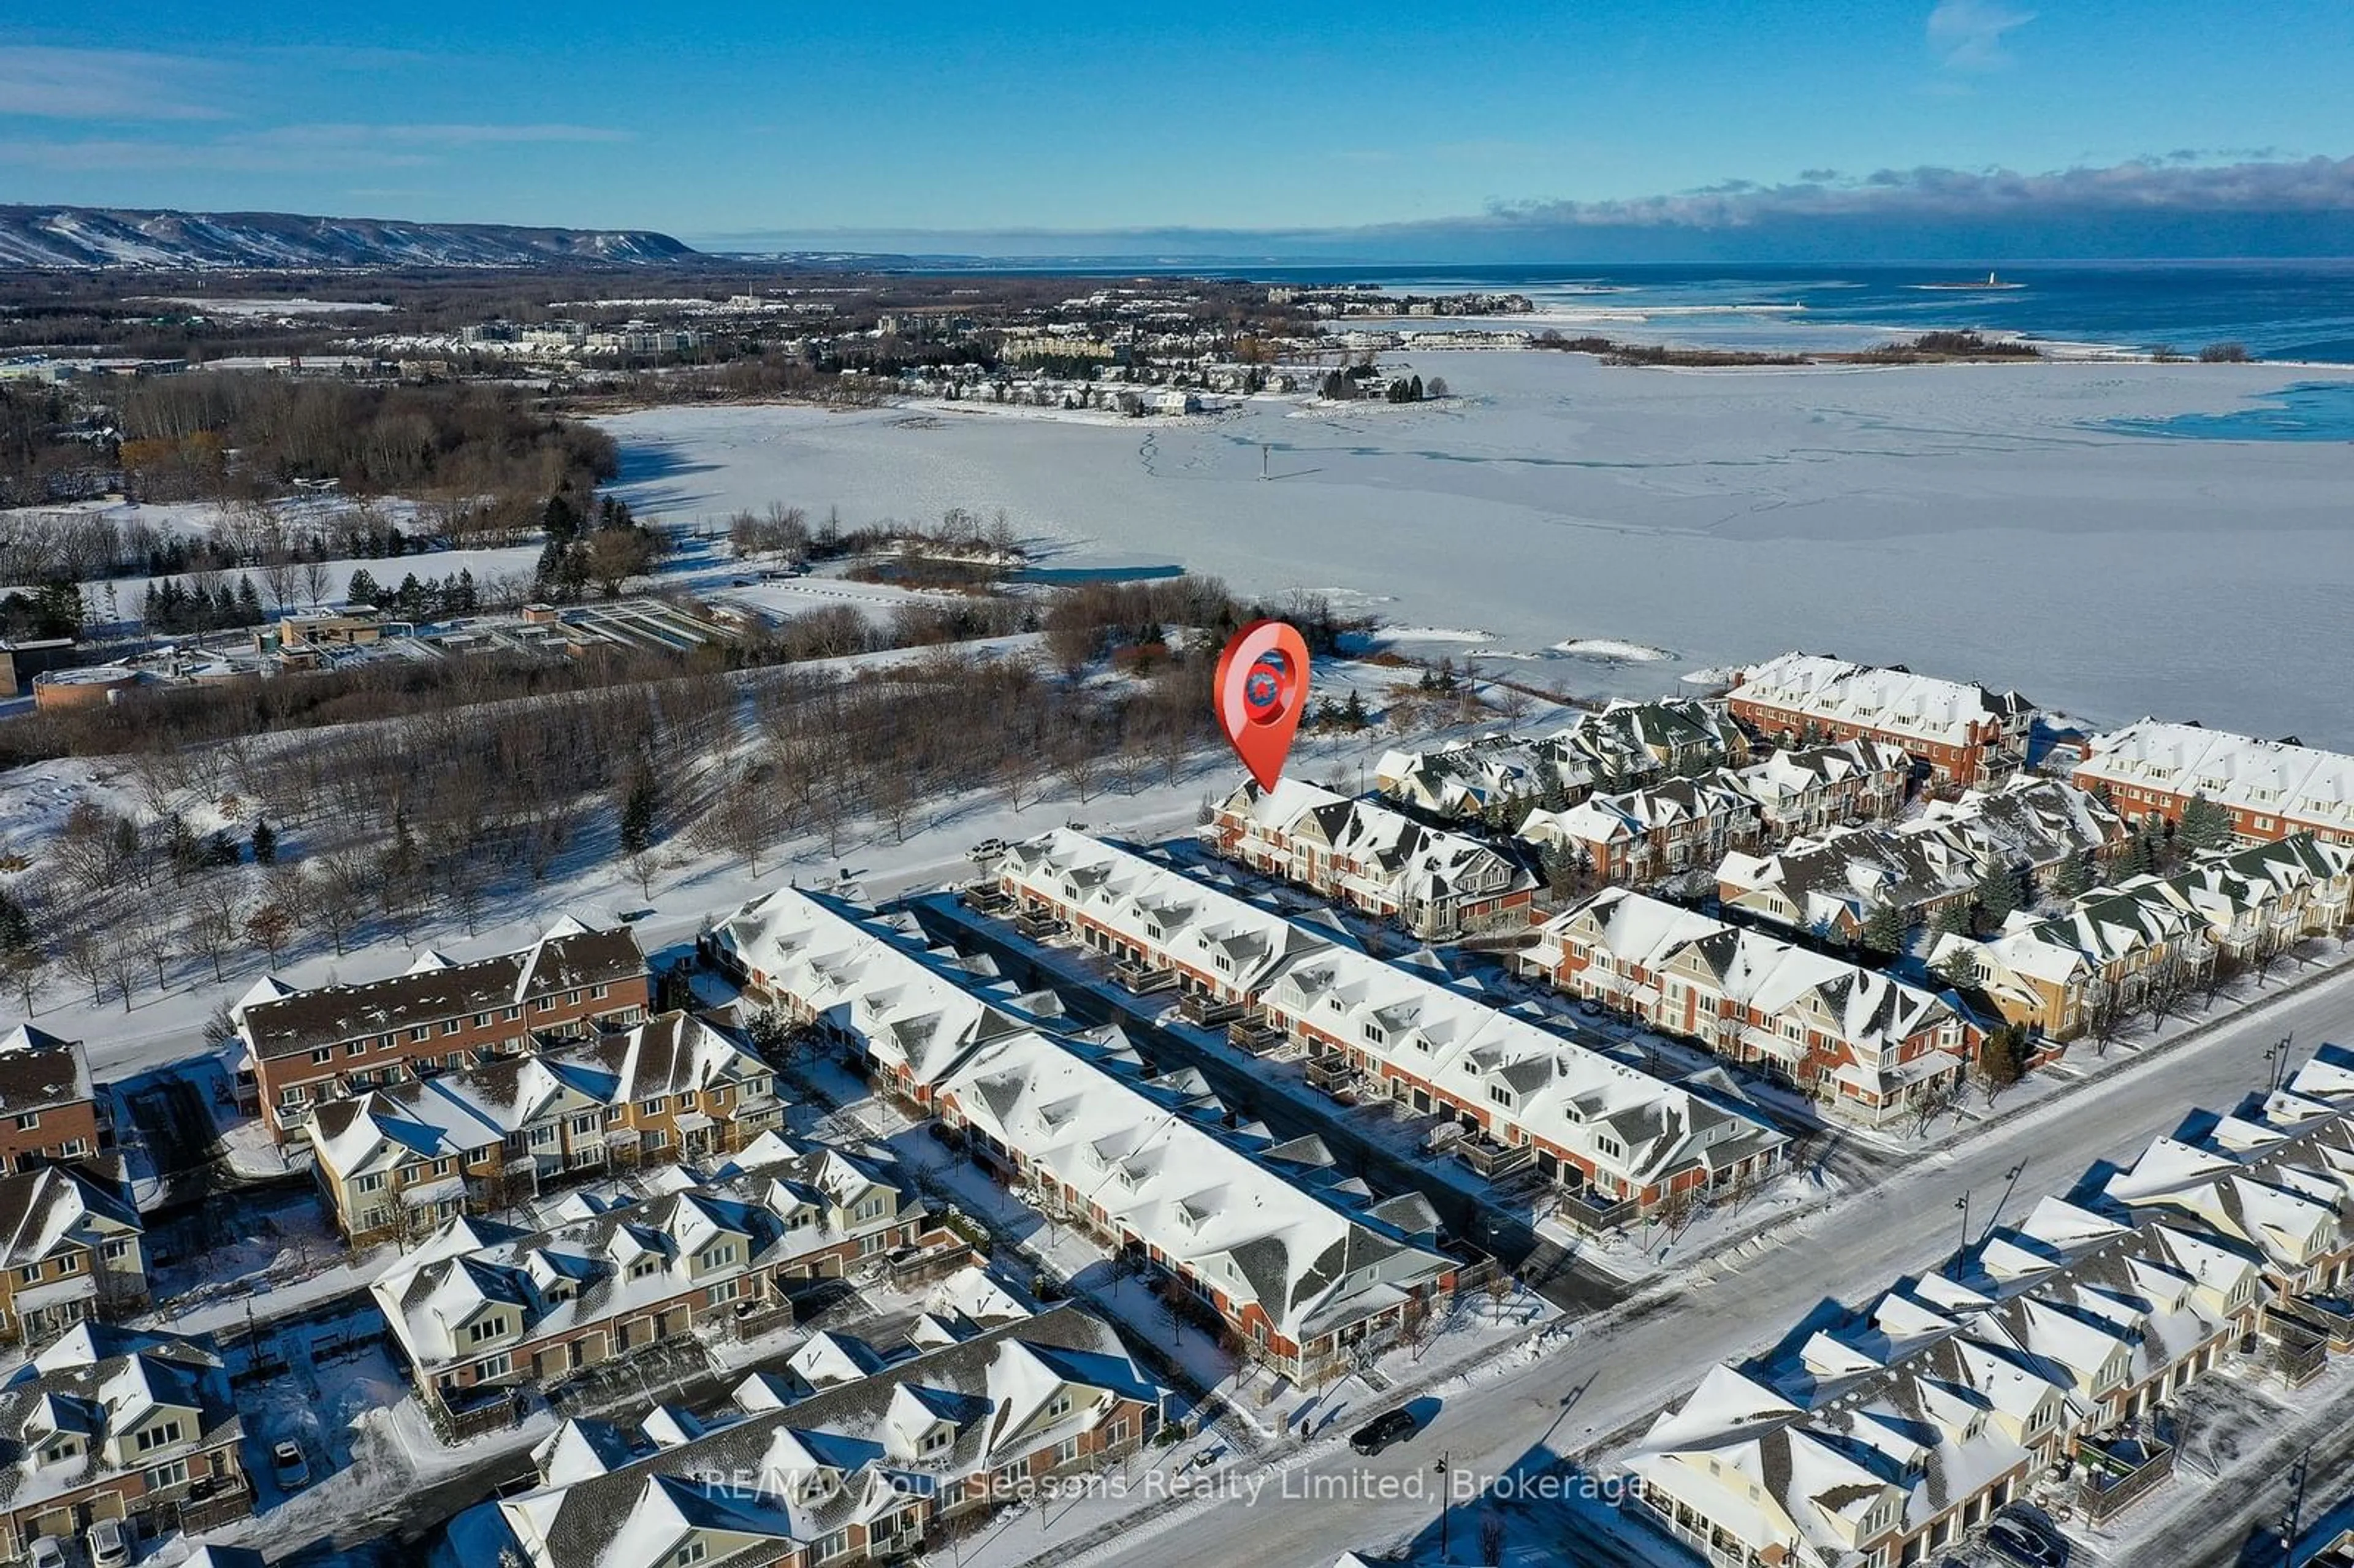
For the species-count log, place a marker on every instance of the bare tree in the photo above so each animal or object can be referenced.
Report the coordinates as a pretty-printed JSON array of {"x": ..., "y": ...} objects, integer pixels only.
[
  {"x": 270, "y": 928},
  {"x": 208, "y": 931},
  {"x": 85, "y": 960},
  {"x": 316, "y": 579}
]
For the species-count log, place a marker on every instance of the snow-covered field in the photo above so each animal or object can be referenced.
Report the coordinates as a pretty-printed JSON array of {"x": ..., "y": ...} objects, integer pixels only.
[{"x": 1979, "y": 521}]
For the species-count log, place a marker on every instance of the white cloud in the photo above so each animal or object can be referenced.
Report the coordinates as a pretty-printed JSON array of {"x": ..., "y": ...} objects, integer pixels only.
[
  {"x": 291, "y": 148},
  {"x": 103, "y": 84},
  {"x": 1966, "y": 35}
]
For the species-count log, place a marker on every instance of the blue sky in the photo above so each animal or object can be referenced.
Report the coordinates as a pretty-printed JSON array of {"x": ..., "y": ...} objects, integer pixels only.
[{"x": 1046, "y": 126}]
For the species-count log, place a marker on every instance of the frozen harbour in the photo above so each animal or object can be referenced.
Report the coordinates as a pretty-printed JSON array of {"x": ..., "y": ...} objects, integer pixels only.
[{"x": 1986, "y": 522}]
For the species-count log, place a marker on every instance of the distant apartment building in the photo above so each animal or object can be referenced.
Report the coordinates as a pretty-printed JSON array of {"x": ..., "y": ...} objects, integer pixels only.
[
  {"x": 1811, "y": 789},
  {"x": 1962, "y": 733},
  {"x": 396, "y": 1162},
  {"x": 1439, "y": 885},
  {"x": 2271, "y": 788},
  {"x": 303, "y": 1047},
  {"x": 50, "y": 1113},
  {"x": 1871, "y": 1048},
  {"x": 71, "y": 1250},
  {"x": 480, "y": 1309},
  {"x": 880, "y": 1466},
  {"x": 110, "y": 1423}
]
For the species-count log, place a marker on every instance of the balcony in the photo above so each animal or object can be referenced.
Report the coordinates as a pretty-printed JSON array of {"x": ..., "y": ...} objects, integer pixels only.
[
  {"x": 1143, "y": 980},
  {"x": 1593, "y": 1212},
  {"x": 985, "y": 898},
  {"x": 1494, "y": 1161},
  {"x": 1201, "y": 1007},
  {"x": 1254, "y": 1036},
  {"x": 1331, "y": 1072},
  {"x": 2119, "y": 1468},
  {"x": 1039, "y": 926}
]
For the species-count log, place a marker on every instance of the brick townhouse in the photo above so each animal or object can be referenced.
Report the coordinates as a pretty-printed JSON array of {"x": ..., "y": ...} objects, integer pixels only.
[
  {"x": 394, "y": 1162},
  {"x": 480, "y": 1309},
  {"x": 50, "y": 1113},
  {"x": 2272, "y": 789},
  {"x": 303, "y": 1047},
  {"x": 1962, "y": 733},
  {"x": 1439, "y": 885}
]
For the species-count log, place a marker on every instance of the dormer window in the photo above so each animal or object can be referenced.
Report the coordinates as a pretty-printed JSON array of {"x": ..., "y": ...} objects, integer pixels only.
[
  {"x": 1376, "y": 1035},
  {"x": 937, "y": 1438},
  {"x": 650, "y": 1263},
  {"x": 1059, "y": 1405}
]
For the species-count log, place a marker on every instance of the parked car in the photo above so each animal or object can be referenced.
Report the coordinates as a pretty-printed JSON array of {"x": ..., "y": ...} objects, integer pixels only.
[
  {"x": 293, "y": 1468},
  {"x": 47, "y": 1553},
  {"x": 109, "y": 1543},
  {"x": 2016, "y": 1540},
  {"x": 1384, "y": 1430}
]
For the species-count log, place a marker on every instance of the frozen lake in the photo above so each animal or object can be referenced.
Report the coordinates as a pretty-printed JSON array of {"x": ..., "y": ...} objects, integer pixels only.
[{"x": 1986, "y": 522}]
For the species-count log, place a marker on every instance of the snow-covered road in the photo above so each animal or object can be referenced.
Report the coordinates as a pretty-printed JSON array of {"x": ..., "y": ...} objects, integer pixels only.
[{"x": 1617, "y": 1370}]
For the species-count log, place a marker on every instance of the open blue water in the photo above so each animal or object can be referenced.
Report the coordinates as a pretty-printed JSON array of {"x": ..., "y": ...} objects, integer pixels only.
[{"x": 2307, "y": 411}]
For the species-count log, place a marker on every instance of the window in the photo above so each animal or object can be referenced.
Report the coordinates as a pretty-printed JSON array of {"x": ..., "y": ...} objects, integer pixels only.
[
  {"x": 833, "y": 1545},
  {"x": 453, "y": 1026},
  {"x": 571, "y": 998},
  {"x": 693, "y": 1552},
  {"x": 655, "y": 1106},
  {"x": 585, "y": 1125},
  {"x": 163, "y": 1477},
  {"x": 1117, "y": 1432},
  {"x": 543, "y": 1004},
  {"x": 29, "y": 1274},
  {"x": 291, "y": 1095},
  {"x": 442, "y": 1166},
  {"x": 354, "y": 1047},
  {"x": 1059, "y": 1405},
  {"x": 724, "y": 1292},
  {"x": 597, "y": 992},
  {"x": 1376, "y": 1035},
  {"x": 69, "y": 1264},
  {"x": 161, "y": 1435},
  {"x": 422, "y": 1031},
  {"x": 489, "y": 1328},
  {"x": 719, "y": 1257},
  {"x": 650, "y": 1263},
  {"x": 513, "y": 1014},
  {"x": 114, "y": 1251},
  {"x": 1067, "y": 1450},
  {"x": 28, "y": 1121},
  {"x": 372, "y": 1182},
  {"x": 323, "y": 1055},
  {"x": 494, "y": 1366},
  {"x": 482, "y": 1021},
  {"x": 870, "y": 1244}
]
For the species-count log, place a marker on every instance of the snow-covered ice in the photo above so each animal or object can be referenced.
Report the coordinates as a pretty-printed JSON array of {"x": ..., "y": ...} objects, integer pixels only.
[{"x": 1981, "y": 520}]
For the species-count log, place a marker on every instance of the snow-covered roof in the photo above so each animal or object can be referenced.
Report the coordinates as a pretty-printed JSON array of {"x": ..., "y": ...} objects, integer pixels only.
[
  {"x": 2278, "y": 779},
  {"x": 1891, "y": 700},
  {"x": 1387, "y": 851},
  {"x": 852, "y": 1453}
]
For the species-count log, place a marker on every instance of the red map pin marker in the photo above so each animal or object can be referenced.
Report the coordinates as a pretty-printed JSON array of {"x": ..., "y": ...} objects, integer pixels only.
[{"x": 1262, "y": 691}]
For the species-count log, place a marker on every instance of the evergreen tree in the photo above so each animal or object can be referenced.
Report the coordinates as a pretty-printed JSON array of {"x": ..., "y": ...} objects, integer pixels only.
[
  {"x": 638, "y": 815},
  {"x": 1353, "y": 711},
  {"x": 1883, "y": 931},
  {"x": 249, "y": 602},
  {"x": 2138, "y": 857},
  {"x": 265, "y": 844},
  {"x": 1952, "y": 920},
  {"x": 16, "y": 926},
  {"x": 1997, "y": 895},
  {"x": 220, "y": 849},
  {"x": 2205, "y": 826},
  {"x": 2073, "y": 877},
  {"x": 363, "y": 589}
]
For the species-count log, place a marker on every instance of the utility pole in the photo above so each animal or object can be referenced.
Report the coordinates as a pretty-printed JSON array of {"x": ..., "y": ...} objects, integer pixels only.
[
  {"x": 2293, "y": 1522},
  {"x": 1444, "y": 1470},
  {"x": 1963, "y": 1203}
]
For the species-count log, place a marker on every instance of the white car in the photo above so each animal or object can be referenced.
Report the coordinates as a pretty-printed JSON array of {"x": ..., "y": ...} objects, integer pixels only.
[
  {"x": 47, "y": 1553},
  {"x": 293, "y": 1470},
  {"x": 109, "y": 1543}
]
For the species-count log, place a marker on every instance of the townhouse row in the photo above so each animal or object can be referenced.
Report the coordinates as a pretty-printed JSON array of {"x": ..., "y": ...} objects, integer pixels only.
[
  {"x": 396, "y": 1162},
  {"x": 301, "y": 1047},
  {"x": 2025, "y": 829},
  {"x": 1622, "y": 747},
  {"x": 1691, "y": 824},
  {"x": 71, "y": 1250},
  {"x": 480, "y": 1309},
  {"x": 1964, "y": 733},
  {"x": 2272, "y": 789},
  {"x": 1609, "y": 1135},
  {"x": 1301, "y": 1271},
  {"x": 1882, "y": 1437},
  {"x": 112, "y": 1424},
  {"x": 897, "y": 1452},
  {"x": 1871, "y": 1048},
  {"x": 1440, "y": 886},
  {"x": 2115, "y": 946}
]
